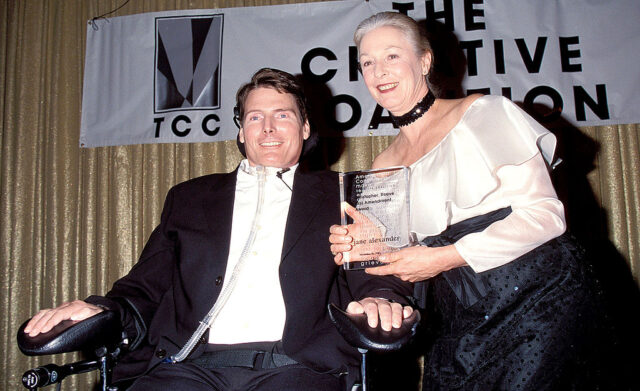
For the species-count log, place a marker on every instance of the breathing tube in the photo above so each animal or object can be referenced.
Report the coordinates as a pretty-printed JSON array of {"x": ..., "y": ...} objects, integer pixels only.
[{"x": 226, "y": 288}]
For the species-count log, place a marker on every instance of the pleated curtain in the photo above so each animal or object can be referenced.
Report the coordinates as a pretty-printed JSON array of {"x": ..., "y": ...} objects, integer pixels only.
[{"x": 74, "y": 220}]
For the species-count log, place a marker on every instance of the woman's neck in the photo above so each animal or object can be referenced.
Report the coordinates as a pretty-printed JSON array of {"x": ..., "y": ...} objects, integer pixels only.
[
  {"x": 416, "y": 139},
  {"x": 420, "y": 130},
  {"x": 417, "y": 111}
]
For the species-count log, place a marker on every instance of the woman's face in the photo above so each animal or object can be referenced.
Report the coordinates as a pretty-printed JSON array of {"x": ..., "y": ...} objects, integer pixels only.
[{"x": 393, "y": 73}]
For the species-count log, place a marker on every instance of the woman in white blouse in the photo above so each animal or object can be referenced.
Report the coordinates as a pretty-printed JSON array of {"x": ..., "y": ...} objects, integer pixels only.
[{"x": 502, "y": 287}]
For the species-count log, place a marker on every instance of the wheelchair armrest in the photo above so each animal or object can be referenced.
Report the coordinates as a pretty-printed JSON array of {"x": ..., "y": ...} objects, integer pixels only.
[
  {"x": 100, "y": 330},
  {"x": 356, "y": 331}
]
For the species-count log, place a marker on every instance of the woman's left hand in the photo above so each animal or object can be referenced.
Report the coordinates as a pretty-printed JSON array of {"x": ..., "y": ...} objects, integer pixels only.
[{"x": 418, "y": 263}]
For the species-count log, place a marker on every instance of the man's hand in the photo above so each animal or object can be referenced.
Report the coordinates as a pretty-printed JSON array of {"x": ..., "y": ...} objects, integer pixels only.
[
  {"x": 380, "y": 311},
  {"x": 47, "y": 319}
]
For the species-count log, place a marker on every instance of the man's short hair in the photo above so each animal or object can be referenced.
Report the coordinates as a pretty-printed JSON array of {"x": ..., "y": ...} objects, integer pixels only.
[{"x": 284, "y": 83}]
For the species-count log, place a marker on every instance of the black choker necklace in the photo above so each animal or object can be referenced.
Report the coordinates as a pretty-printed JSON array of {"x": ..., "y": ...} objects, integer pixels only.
[{"x": 418, "y": 111}]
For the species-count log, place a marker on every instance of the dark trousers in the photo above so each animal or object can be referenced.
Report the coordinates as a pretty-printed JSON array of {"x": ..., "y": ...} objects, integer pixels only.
[{"x": 191, "y": 377}]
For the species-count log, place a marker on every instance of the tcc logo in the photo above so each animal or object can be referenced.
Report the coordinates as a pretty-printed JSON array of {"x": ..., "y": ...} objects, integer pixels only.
[{"x": 188, "y": 61}]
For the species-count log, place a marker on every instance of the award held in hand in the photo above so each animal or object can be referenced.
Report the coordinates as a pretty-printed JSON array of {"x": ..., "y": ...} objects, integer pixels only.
[{"x": 375, "y": 209}]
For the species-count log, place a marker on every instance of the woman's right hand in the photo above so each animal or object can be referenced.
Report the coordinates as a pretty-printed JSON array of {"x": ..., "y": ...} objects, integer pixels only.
[
  {"x": 354, "y": 242},
  {"x": 340, "y": 242}
]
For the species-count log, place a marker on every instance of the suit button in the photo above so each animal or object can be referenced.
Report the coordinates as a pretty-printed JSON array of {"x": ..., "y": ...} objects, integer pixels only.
[
  {"x": 218, "y": 280},
  {"x": 161, "y": 353}
]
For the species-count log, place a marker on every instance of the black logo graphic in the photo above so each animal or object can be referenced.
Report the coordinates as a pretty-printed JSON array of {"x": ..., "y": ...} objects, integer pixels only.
[{"x": 188, "y": 61}]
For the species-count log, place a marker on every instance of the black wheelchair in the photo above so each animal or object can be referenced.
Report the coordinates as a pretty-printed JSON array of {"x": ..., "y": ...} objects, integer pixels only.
[{"x": 101, "y": 337}]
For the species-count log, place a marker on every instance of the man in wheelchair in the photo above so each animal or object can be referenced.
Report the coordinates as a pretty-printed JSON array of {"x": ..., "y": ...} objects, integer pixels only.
[{"x": 232, "y": 287}]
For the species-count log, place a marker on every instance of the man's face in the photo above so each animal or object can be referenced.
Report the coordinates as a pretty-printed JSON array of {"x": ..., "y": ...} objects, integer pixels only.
[{"x": 272, "y": 131}]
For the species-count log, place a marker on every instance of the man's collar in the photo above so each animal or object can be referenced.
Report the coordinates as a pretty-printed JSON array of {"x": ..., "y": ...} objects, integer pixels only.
[{"x": 269, "y": 171}]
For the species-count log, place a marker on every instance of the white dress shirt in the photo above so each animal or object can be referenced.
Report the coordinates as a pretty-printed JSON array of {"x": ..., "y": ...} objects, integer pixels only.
[{"x": 255, "y": 310}]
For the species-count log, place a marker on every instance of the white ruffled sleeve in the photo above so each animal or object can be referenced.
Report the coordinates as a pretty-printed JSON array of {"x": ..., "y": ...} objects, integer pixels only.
[
  {"x": 493, "y": 158},
  {"x": 537, "y": 216}
]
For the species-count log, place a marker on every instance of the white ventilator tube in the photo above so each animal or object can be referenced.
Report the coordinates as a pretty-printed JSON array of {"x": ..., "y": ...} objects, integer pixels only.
[{"x": 227, "y": 288}]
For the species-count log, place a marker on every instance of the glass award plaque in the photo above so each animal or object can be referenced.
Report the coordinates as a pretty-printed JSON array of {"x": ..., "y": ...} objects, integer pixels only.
[{"x": 379, "y": 219}]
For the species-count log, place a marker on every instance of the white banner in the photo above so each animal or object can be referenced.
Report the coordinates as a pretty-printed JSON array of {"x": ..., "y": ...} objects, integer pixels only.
[{"x": 172, "y": 76}]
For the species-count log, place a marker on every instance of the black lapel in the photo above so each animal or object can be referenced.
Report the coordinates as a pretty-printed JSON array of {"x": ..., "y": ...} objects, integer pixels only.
[
  {"x": 218, "y": 208},
  {"x": 305, "y": 202}
]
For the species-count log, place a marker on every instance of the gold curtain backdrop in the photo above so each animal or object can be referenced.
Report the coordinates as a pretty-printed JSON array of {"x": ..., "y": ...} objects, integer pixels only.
[{"x": 74, "y": 220}]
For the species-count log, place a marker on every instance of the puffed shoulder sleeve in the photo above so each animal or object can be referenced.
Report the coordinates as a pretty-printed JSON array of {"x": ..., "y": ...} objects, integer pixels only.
[{"x": 505, "y": 134}]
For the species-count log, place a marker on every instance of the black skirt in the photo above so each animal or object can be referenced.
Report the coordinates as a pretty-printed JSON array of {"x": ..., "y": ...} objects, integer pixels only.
[{"x": 526, "y": 325}]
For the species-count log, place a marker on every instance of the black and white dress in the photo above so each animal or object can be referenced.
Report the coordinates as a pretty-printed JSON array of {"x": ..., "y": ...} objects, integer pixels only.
[{"x": 515, "y": 318}]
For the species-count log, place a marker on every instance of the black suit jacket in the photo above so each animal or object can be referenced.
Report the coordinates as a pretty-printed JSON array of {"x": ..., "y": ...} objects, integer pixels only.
[{"x": 180, "y": 272}]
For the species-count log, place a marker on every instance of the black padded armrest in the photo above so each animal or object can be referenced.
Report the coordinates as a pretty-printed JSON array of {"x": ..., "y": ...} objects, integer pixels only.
[
  {"x": 356, "y": 331},
  {"x": 102, "y": 329}
]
